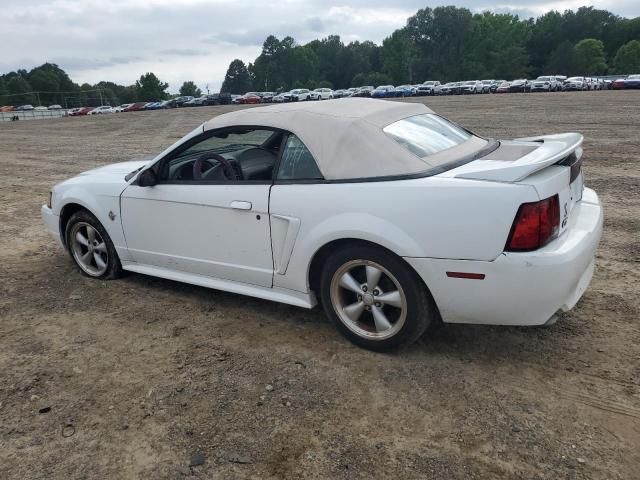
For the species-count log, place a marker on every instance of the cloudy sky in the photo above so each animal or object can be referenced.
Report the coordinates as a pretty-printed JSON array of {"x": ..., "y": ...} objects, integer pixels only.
[{"x": 179, "y": 40}]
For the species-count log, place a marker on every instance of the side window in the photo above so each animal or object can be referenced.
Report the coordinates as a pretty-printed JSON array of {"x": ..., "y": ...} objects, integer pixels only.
[
  {"x": 296, "y": 162},
  {"x": 225, "y": 155}
]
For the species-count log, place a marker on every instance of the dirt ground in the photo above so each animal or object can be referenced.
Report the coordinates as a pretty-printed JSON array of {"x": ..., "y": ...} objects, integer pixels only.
[{"x": 138, "y": 378}]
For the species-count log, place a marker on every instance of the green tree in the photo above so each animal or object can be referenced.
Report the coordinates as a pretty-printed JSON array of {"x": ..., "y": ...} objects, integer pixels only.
[
  {"x": 498, "y": 47},
  {"x": 324, "y": 84},
  {"x": 237, "y": 79},
  {"x": 627, "y": 59},
  {"x": 3, "y": 91},
  {"x": 268, "y": 70},
  {"x": 590, "y": 59},
  {"x": 562, "y": 60},
  {"x": 546, "y": 34},
  {"x": 128, "y": 94},
  {"x": 331, "y": 59},
  {"x": 372, "y": 78},
  {"x": 399, "y": 56},
  {"x": 189, "y": 88},
  {"x": 150, "y": 88},
  {"x": 443, "y": 39},
  {"x": 19, "y": 91},
  {"x": 45, "y": 82}
]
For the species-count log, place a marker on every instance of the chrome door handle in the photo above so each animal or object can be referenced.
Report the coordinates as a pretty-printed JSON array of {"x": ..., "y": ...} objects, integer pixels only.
[{"x": 241, "y": 205}]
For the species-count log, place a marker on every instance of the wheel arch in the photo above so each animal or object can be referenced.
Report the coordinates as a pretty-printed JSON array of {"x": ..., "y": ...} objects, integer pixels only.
[
  {"x": 317, "y": 260},
  {"x": 65, "y": 214}
]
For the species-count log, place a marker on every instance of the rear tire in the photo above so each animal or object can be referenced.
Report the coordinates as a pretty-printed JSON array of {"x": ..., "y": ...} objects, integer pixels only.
[
  {"x": 91, "y": 248},
  {"x": 375, "y": 299}
]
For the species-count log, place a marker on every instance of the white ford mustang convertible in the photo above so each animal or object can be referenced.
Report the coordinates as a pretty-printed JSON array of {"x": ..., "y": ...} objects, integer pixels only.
[{"x": 390, "y": 216}]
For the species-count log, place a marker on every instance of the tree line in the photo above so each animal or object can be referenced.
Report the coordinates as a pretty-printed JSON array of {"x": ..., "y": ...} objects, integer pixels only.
[
  {"x": 447, "y": 44},
  {"x": 442, "y": 43},
  {"x": 48, "y": 84}
]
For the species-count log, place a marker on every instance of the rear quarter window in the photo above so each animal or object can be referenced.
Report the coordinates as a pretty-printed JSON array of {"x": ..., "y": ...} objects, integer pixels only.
[{"x": 426, "y": 135}]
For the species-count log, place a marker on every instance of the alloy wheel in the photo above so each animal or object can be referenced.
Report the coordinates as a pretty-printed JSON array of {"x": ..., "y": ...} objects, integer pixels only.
[
  {"x": 89, "y": 249},
  {"x": 368, "y": 299}
]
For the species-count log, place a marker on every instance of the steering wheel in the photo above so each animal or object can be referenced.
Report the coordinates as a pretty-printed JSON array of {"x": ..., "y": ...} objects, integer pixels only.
[{"x": 227, "y": 169}]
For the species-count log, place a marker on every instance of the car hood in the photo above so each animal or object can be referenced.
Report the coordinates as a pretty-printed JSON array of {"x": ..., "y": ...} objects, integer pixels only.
[
  {"x": 107, "y": 181},
  {"x": 120, "y": 168}
]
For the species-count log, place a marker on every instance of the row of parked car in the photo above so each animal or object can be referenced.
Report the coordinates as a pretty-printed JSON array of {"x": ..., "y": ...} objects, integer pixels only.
[
  {"x": 179, "y": 102},
  {"x": 298, "y": 94},
  {"x": 184, "y": 101},
  {"x": 28, "y": 108},
  {"x": 545, "y": 83}
]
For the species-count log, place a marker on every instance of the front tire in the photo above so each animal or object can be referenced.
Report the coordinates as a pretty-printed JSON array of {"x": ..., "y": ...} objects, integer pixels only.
[
  {"x": 91, "y": 248},
  {"x": 375, "y": 299}
]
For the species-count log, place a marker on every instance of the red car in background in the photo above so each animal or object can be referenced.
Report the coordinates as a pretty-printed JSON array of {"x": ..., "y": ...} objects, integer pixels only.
[
  {"x": 503, "y": 87},
  {"x": 76, "y": 112},
  {"x": 617, "y": 84},
  {"x": 134, "y": 107},
  {"x": 250, "y": 98}
]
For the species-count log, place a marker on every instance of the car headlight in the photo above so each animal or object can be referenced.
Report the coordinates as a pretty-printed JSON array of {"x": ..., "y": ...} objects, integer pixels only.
[{"x": 49, "y": 199}]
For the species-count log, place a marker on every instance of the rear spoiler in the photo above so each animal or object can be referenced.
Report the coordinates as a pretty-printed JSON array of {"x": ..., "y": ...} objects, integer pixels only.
[{"x": 549, "y": 149}]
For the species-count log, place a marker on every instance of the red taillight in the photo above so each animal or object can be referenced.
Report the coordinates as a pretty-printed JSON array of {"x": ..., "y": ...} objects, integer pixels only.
[{"x": 535, "y": 225}]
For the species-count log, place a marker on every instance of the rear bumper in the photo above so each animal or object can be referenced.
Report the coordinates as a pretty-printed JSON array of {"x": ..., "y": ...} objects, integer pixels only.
[
  {"x": 52, "y": 223},
  {"x": 520, "y": 288}
]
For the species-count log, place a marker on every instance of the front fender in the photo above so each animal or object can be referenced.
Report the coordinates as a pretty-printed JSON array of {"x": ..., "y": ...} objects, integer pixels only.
[{"x": 104, "y": 204}]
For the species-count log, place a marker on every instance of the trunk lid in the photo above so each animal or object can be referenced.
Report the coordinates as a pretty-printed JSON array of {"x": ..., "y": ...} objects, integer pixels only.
[
  {"x": 516, "y": 159},
  {"x": 552, "y": 164}
]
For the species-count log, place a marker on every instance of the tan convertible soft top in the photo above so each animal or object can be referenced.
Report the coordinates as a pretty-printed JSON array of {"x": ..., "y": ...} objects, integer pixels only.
[{"x": 344, "y": 136}]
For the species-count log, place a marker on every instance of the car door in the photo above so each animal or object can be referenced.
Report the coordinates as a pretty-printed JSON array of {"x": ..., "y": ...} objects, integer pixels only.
[{"x": 213, "y": 226}]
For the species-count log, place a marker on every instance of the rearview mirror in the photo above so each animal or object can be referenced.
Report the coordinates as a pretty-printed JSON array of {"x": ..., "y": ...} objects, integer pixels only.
[{"x": 147, "y": 178}]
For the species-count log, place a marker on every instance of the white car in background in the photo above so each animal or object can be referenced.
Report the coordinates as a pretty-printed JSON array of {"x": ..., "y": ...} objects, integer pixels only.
[
  {"x": 323, "y": 94},
  {"x": 429, "y": 87},
  {"x": 281, "y": 97},
  {"x": 120, "y": 108},
  {"x": 576, "y": 83},
  {"x": 300, "y": 95},
  {"x": 102, "y": 109},
  {"x": 547, "y": 83},
  {"x": 391, "y": 215}
]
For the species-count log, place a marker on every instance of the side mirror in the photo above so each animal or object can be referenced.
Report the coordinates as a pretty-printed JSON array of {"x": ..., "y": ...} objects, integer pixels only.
[{"x": 147, "y": 178}]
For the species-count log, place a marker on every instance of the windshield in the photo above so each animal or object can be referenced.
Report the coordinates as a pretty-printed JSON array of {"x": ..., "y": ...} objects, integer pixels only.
[
  {"x": 428, "y": 134},
  {"x": 633, "y": 77},
  {"x": 575, "y": 79},
  {"x": 544, "y": 79}
]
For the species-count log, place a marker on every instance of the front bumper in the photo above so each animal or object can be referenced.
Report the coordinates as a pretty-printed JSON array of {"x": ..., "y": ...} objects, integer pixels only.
[
  {"x": 52, "y": 223},
  {"x": 524, "y": 288}
]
